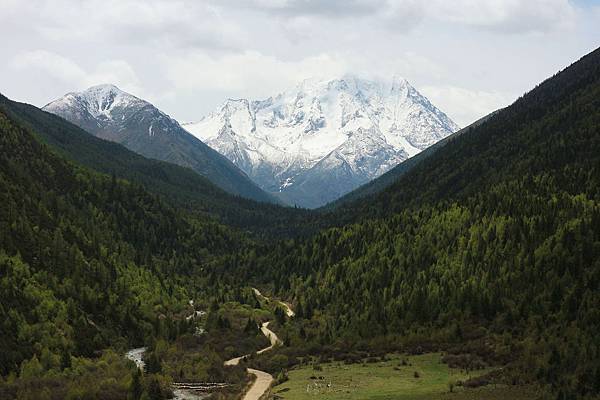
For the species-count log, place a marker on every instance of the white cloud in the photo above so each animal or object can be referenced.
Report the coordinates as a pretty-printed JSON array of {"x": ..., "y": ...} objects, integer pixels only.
[
  {"x": 190, "y": 55},
  {"x": 506, "y": 16},
  {"x": 50, "y": 63},
  {"x": 407, "y": 64},
  {"x": 180, "y": 24},
  {"x": 321, "y": 8},
  {"x": 248, "y": 74},
  {"x": 511, "y": 16},
  {"x": 465, "y": 106},
  {"x": 118, "y": 72},
  {"x": 241, "y": 71},
  {"x": 67, "y": 71}
]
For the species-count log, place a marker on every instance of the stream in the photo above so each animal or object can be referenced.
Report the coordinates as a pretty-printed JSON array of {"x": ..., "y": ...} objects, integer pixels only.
[{"x": 189, "y": 391}]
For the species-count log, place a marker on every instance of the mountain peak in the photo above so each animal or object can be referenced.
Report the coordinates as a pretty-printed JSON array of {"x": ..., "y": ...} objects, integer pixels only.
[
  {"x": 398, "y": 80},
  {"x": 104, "y": 87},
  {"x": 112, "y": 114},
  {"x": 346, "y": 82},
  {"x": 235, "y": 104},
  {"x": 99, "y": 101},
  {"x": 100, "y": 93},
  {"x": 288, "y": 142},
  {"x": 356, "y": 85},
  {"x": 107, "y": 92}
]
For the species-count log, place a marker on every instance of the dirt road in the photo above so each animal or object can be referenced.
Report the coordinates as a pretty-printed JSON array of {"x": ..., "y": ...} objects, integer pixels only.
[
  {"x": 263, "y": 380},
  {"x": 286, "y": 307}
]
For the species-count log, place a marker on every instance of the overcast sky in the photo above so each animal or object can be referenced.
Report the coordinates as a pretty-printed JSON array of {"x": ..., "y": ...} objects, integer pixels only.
[{"x": 468, "y": 57}]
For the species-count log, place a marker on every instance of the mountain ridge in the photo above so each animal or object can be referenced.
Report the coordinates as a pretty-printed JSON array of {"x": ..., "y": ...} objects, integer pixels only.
[
  {"x": 112, "y": 114},
  {"x": 281, "y": 142},
  {"x": 182, "y": 186},
  {"x": 497, "y": 233},
  {"x": 387, "y": 179}
]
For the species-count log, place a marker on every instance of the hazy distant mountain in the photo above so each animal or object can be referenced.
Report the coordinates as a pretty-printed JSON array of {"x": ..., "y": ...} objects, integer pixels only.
[
  {"x": 317, "y": 142},
  {"x": 109, "y": 113}
]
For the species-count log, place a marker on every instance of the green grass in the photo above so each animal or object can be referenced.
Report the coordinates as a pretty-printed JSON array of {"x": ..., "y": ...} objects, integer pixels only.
[{"x": 386, "y": 380}]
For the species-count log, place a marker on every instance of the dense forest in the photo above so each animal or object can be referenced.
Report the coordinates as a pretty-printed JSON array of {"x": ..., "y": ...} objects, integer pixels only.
[
  {"x": 498, "y": 232},
  {"x": 182, "y": 187},
  {"x": 89, "y": 262},
  {"x": 489, "y": 248}
]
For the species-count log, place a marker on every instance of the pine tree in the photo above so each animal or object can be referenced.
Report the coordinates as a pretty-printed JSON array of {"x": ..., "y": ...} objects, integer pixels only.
[
  {"x": 135, "y": 389},
  {"x": 65, "y": 359}
]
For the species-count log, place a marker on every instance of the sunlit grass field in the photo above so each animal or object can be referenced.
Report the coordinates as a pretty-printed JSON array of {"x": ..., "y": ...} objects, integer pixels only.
[{"x": 425, "y": 377}]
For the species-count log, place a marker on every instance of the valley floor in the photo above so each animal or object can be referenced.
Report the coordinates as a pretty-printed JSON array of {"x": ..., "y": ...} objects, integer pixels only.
[{"x": 424, "y": 377}]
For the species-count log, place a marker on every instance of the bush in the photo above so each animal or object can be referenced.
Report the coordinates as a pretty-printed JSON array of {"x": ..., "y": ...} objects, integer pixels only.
[
  {"x": 281, "y": 377},
  {"x": 279, "y": 361},
  {"x": 463, "y": 361}
]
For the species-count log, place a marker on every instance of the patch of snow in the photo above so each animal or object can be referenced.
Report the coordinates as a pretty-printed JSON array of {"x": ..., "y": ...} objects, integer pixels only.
[
  {"x": 288, "y": 182},
  {"x": 365, "y": 127}
]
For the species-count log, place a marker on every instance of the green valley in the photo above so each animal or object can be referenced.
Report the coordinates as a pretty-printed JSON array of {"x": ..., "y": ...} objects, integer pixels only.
[
  {"x": 394, "y": 377},
  {"x": 471, "y": 272}
]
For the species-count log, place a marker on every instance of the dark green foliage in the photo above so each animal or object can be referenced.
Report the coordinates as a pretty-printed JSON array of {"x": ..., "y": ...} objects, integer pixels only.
[
  {"x": 182, "y": 186},
  {"x": 251, "y": 327},
  {"x": 488, "y": 248},
  {"x": 154, "y": 390},
  {"x": 87, "y": 260},
  {"x": 153, "y": 363},
  {"x": 107, "y": 378},
  {"x": 389, "y": 178},
  {"x": 135, "y": 390},
  {"x": 280, "y": 315},
  {"x": 65, "y": 359},
  {"x": 498, "y": 229}
]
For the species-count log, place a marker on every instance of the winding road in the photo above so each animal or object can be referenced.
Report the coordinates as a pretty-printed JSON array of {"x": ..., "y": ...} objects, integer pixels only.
[
  {"x": 286, "y": 307},
  {"x": 263, "y": 380}
]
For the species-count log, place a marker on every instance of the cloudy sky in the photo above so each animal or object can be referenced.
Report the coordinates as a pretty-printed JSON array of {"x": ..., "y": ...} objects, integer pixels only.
[{"x": 468, "y": 56}]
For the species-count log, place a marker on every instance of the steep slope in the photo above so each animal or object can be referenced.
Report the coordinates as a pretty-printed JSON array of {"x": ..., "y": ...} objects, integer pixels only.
[
  {"x": 180, "y": 185},
  {"x": 489, "y": 247},
  {"x": 507, "y": 145},
  {"x": 109, "y": 113},
  {"x": 313, "y": 144},
  {"x": 86, "y": 259},
  {"x": 381, "y": 183}
]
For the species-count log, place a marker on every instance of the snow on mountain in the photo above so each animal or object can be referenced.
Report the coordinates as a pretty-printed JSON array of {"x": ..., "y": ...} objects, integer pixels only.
[
  {"x": 99, "y": 101},
  {"x": 112, "y": 114},
  {"x": 313, "y": 144},
  {"x": 108, "y": 112}
]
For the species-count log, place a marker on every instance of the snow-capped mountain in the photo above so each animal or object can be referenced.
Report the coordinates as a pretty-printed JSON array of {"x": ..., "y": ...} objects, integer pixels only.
[
  {"x": 112, "y": 114},
  {"x": 313, "y": 144}
]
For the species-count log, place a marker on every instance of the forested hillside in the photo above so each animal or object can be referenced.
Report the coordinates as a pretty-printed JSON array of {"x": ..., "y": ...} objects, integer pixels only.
[
  {"x": 88, "y": 262},
  {"x": 112, "y": 114},
  {"x": 487, "y": 249},
  {"x": 386, "y": 180},
  {"x": 181, "y": 186},
  {"x": 494, "y": 236},
  {"x": 549, "y": 128}
]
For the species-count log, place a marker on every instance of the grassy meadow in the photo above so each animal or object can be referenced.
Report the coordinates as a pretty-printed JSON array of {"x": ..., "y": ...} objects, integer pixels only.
[{"x": 398, "y": 378}]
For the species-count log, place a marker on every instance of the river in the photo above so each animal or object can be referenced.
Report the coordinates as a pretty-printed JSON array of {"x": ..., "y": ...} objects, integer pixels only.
[{"x": 263, "y": 380}]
